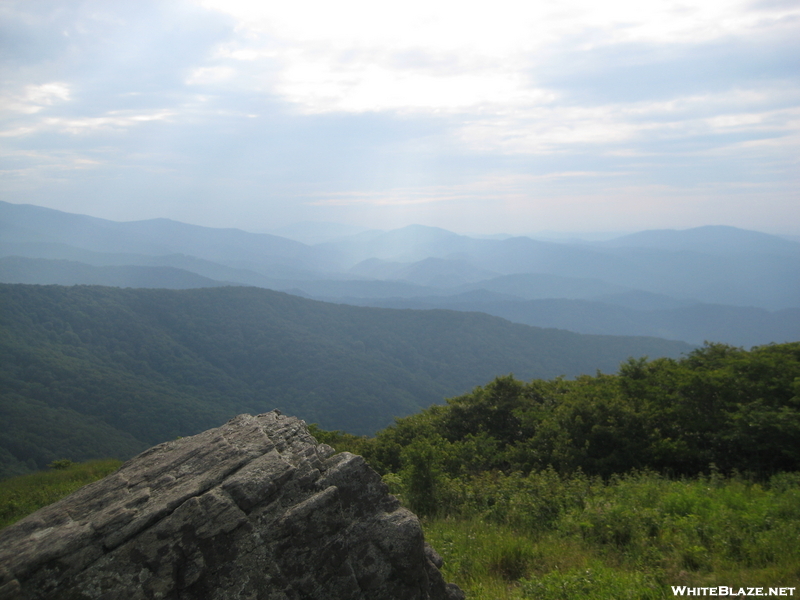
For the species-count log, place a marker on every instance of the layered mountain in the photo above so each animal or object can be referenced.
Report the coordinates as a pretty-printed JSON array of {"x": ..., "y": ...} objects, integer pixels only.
[
  {"x": 38, "y": 232},
  {"x": 649, "y": 315},
  {"x": 709, "y": 283}
]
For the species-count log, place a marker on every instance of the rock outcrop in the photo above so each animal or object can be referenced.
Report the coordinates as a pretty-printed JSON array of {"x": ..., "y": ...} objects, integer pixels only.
[{"x": 255, "y": 510}]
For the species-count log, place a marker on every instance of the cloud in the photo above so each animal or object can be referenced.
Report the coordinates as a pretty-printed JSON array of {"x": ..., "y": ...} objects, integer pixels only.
[
  {"x": 33, "y": 98},
  {"x": 283, "y": 108},
  {"x": 538, "y": 78},
  {"x": 646, "y": 71},
  {"x": 348, "y": 46},
  {"x": 113, "y": 120}
]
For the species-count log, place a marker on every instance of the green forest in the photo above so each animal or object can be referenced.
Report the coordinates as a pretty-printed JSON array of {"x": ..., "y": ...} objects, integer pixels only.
[
  {"x": 92, "y": 372},
  {"x": 738, "y": 410}
]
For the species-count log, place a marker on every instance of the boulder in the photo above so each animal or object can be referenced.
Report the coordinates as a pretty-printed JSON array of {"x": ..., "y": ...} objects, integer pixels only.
[{"x": 255, "y": 509}]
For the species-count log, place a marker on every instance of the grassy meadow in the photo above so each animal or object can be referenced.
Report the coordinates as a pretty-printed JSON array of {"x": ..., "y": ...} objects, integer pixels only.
[{"x": 548, "y": 537}]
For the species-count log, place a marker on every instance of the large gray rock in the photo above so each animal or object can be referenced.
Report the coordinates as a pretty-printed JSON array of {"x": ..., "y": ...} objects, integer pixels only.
[{"x": 254, "y": 509}]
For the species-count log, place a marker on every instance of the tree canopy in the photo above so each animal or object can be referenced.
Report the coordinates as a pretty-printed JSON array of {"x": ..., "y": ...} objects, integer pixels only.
[{"x": 734, "y": 409}]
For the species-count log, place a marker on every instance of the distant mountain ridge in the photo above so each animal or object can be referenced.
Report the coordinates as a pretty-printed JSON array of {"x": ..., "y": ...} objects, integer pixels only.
[
  {"x": 15, "y": 269},
  {"x": 695, "y": 323},
  {"x": 723, "y": 270},
  {"x": 26, "y": 223},
  {"x": 710, "y": 239}
]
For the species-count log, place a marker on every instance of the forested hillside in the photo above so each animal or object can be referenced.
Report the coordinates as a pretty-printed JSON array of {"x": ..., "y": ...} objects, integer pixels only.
[
  {"x": 89, "y": 372},
  {"x": 735, "y": 409}
]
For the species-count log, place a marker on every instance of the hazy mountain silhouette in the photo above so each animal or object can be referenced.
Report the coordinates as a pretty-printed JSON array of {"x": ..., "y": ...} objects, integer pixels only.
[
  {"x": 711, "y": 239},
  {"x": 714, "y": 266},
  {"x": 269, "y": 254},
  {"x": 693, "y": 323}
]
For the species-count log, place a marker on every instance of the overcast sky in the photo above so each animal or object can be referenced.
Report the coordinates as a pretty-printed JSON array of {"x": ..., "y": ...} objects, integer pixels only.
[{"x": 566, "y": 115}]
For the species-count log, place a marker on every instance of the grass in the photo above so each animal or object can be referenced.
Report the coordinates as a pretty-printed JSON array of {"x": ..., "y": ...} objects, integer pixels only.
[
  {"x": 20, "y": 496},
  {"x": 632, "y": 537},
  {"x": 489, "y": 560},
  {"x": 499, "y": 563}
]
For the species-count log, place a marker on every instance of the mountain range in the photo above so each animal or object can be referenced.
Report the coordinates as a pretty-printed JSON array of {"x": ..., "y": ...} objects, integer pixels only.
[{"x": 712, "y": 283}]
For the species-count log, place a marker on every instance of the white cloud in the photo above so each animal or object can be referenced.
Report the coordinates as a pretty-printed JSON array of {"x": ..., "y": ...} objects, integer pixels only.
[
  {"x": 424, "y": 105},
  {"x": 319, "y": 87},
  {"x": 113, "y": 120},
  {"x": 210, "y": 75},
  {"x": 348, "y": 56},
  {"x": 555, "y": 127},
  {"x": 477, "y": 65},
  {"x": 31, "y": 99}
]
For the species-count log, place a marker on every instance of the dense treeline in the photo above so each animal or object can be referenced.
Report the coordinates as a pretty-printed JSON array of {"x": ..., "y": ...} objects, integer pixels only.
[
  {"x": 92, "y": 372},
  {"x": 735, "y": 409}
]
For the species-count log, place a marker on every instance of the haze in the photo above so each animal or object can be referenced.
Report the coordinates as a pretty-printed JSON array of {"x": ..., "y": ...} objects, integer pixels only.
[{"x": 510, "y": 117}]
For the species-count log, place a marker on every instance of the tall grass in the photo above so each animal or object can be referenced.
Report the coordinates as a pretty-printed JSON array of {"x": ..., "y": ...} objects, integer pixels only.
[
  {"x": 20, "y": 496},
  {"x": 550, "y": 537}
]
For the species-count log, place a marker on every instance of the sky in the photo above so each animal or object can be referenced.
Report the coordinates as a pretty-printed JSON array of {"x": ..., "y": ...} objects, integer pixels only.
[{"x": 501, "y": 117}]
